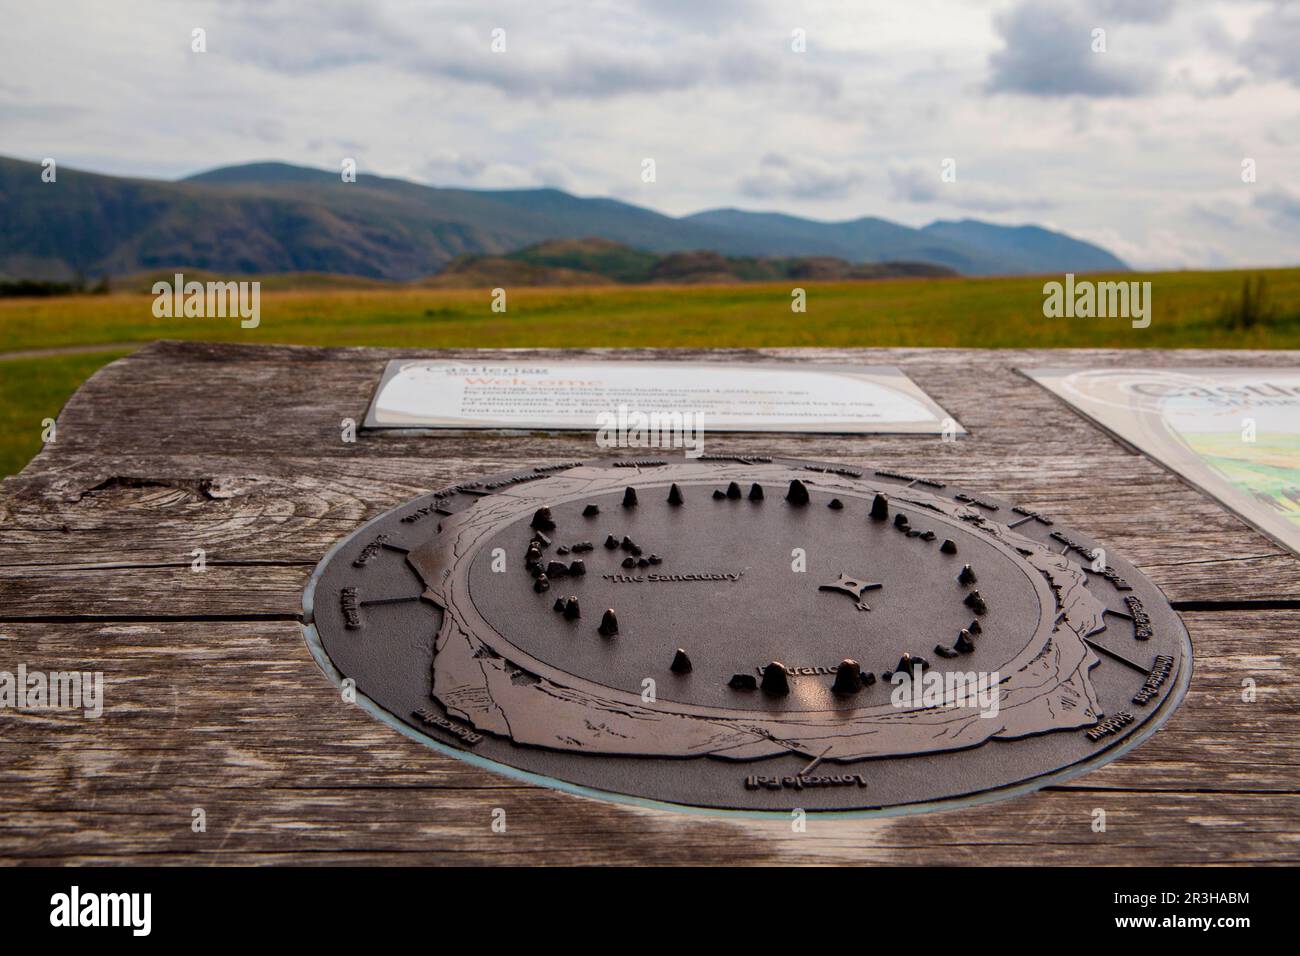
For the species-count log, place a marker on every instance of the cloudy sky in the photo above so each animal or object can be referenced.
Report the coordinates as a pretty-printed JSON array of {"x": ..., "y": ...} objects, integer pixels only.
[{"x": 1140, "y": 147}]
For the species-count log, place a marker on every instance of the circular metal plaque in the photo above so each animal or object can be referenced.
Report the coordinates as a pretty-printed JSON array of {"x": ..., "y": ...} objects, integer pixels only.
[{"x": 749, "y": 634}]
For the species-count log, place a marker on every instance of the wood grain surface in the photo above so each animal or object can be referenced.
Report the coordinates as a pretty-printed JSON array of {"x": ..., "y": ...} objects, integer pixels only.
[{"x": 213, "y": 700}]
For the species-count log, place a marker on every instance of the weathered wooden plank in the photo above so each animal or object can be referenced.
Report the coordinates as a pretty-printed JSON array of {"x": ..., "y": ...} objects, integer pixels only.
[
  {"x": 250, "y": 473},
  {"x": 178, "y": 398},
  {"x": 280, "y": 515},
  {"x": 412, "y": 826},
  {"x": 103, "y": 511},
  {"x": 246, "y": 591},
  {"x": 254, "y": 698}
]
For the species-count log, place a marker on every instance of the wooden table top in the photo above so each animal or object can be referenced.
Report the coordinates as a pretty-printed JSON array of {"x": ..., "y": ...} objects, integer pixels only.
[{"x": 213, "y": 701}]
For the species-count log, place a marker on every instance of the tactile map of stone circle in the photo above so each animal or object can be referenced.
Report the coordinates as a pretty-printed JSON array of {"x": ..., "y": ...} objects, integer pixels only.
[{"x": 749, "y": 633}]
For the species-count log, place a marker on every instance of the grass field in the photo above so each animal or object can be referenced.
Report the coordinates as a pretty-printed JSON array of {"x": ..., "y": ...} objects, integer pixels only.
[{"x": 1187, "y": 312}]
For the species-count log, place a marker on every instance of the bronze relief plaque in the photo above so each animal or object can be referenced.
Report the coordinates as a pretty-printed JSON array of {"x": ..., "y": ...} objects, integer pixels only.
[{"x": 748, "y": 634}]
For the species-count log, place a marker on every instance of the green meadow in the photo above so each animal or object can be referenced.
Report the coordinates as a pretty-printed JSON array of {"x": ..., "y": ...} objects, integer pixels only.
[{"x": 1189, "y": 310}]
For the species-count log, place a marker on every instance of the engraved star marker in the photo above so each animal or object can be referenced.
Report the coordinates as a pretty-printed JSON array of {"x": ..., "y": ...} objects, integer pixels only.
[{"x": 854, "y": 588}]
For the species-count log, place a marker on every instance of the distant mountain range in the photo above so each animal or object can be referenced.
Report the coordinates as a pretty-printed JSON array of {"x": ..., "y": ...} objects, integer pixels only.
[{"x": 268, "y": 218}]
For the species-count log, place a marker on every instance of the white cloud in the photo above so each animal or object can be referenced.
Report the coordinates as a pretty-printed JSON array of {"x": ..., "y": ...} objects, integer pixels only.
[
  {"x": 1271, "y": 48},
  {"x": 800, "y": 177},
  {"x": 1134, "y": 144},
  {"x": 918, "y": 183},
  {"x": 1282, "y": 204},
  {"x": 1061, "y": 49}
]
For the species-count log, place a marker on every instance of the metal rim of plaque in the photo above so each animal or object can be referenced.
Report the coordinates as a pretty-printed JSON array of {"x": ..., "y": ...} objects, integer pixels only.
[{"x": 731, "y": 634}]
